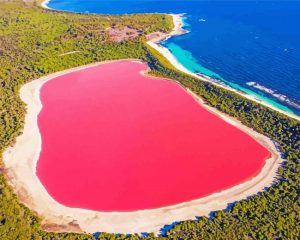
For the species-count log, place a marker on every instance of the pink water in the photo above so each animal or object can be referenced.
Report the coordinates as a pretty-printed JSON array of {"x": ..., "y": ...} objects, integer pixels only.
[{"x": 114, "y": 140}]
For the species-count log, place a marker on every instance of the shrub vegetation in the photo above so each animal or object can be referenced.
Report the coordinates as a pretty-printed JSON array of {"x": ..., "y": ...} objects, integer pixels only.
[{"x": 32, "y": 41}]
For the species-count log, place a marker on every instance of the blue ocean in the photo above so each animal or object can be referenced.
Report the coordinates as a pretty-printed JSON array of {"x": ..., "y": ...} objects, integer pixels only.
[{"x": 253, "y": 46}]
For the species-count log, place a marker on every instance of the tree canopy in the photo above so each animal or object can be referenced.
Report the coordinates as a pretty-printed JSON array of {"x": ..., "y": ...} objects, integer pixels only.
[{"x": 33, "y": 42}]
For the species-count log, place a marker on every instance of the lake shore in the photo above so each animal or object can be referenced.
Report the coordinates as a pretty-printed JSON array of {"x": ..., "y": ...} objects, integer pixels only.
[
  {"x": 154, "y": 42},
  {"x": 21, "y": 160}
]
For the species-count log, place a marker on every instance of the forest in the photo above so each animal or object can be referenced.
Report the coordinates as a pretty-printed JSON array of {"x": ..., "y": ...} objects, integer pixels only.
[{"x": 33, "y": 42}]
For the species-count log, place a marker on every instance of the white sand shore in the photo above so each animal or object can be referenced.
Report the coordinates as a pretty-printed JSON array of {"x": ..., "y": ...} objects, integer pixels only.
[
  {"x": 44, "y": 4},
  {"x": 178, "y": 30},
  {"x": 177, "y": 20},
  {"x": 21, "y": 160}
]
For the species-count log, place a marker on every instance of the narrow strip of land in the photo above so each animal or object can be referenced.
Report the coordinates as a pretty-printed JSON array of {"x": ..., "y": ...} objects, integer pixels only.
[{"x": 154, "y": 42}]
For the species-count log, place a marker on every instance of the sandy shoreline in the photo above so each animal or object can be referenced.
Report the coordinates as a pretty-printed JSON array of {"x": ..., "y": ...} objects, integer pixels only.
[
  {"x": 154, "y": 42},
  {"x": 178, "y": 24},
  {"x": 21, "y": 160},
  {"x": 44, "y": 4}
]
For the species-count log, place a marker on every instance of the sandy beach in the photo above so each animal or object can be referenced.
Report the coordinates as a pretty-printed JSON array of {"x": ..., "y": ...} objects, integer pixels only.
[
  {"x": 44, "y": 4},
  {"x": 154, "y": 42},
  {"x": 21, "y": 160}
]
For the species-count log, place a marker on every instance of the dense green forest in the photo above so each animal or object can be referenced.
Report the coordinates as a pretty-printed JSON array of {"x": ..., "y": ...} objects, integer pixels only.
[{"x": 32, "y": 41}]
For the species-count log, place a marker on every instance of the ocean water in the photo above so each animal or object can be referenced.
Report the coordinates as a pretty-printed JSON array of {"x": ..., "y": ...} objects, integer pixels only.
[{"x": 253, "y": 46}]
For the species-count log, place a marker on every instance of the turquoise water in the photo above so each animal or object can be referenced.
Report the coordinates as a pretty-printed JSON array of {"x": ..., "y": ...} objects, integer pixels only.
[
  {"x": 191, "y": 64},
  {"x": 252, "y": 46},
  {"x": 188, "y": 61}
]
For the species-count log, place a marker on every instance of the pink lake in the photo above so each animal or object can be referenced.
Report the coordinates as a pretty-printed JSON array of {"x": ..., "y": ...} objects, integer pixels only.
[{"x": 114, "y": 140}]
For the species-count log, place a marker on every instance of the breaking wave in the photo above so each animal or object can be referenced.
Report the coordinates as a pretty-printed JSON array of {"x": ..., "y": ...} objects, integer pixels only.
[{"x": 275, "y": 94}]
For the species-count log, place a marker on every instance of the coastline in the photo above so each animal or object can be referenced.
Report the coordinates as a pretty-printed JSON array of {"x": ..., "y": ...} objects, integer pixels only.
[
  {"x": 44, "y": 4},
  {"x": 21, "y": 160},
  {"x": 178, "y": 30},
  {"x": 154, "y": 42}
]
